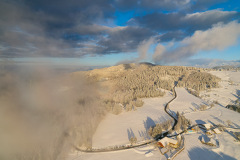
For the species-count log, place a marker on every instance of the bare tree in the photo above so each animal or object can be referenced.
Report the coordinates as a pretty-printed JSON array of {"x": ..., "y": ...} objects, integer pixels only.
[
  {"x": 133, "y": 140},
  {"x": 203, "y": 107}
]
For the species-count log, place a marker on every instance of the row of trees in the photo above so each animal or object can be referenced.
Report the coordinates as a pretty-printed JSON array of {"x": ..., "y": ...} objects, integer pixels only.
[
  {"x": 157, "y": 130},
  {"x": 199, "y": 81},
  {"x": 117, "y": 108},
  {"x": 234, "y": 107},
  {"x": 183, "y": 123}
]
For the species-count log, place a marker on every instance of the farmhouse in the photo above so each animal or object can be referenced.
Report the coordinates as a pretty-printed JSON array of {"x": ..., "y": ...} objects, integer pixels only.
[
  {"x": 168, "y": 141},
  {"x": 206, "y": 126},
  {"x": 216, "y": 131},
  {"x": 209, "y": 132}
]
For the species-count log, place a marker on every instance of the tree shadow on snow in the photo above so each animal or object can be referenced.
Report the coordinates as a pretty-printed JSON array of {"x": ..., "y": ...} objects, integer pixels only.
[
  {"x": 211, "y": 123},
  {"x": 216, "y": 118},
  {"x": 149, "y": 123},
  {"x": 203, "y": 153},
  {"x": 195, "y": 105},
  {"x": 238, "y": 93},
  {"x": 130, "y": 133},
  {"x": 236, "y": 125}
]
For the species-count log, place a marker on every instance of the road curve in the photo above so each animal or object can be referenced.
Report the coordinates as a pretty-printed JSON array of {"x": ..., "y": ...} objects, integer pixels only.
[
  {"x": 174, "y": 118},
  {"x": 107, "y": 149}
]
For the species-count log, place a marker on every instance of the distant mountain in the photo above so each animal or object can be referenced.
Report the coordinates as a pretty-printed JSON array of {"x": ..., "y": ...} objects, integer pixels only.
[{"x": 227, "y": 67}]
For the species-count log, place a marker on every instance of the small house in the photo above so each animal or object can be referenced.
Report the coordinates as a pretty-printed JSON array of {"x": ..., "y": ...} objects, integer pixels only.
[
  {"x": 216, "y": 131},
  {"x": 209, "y": 132},
  {"x": 168, "y": 141},
  {"x": 206, "y": 126}
]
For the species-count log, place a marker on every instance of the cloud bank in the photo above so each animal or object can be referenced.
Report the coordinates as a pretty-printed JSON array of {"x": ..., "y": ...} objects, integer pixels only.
[
  {"x": 83, "y": 28},
  {"x": 43, "y": 114},
  {"x": 219, "y": 37}
]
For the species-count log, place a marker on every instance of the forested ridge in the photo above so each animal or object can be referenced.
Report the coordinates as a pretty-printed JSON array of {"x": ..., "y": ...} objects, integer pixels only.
[{"x": 128, "y": 83}]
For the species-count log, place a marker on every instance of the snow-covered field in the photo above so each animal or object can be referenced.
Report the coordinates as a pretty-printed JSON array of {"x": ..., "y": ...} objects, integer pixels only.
[
  {"x": 116, "y": 129},
  {"x": 228, "y": 91},
  {"x": 185, "y": 102}
]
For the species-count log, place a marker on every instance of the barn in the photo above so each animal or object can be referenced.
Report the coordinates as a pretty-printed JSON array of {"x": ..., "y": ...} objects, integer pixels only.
[{"x": 168, "y": 141}]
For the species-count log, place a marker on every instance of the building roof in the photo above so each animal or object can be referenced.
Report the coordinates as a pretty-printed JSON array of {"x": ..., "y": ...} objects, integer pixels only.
[
  {"x": 216, "y": 131},
  {"x": 165, "y": 141},
  {"x": 207, "y": 126}
]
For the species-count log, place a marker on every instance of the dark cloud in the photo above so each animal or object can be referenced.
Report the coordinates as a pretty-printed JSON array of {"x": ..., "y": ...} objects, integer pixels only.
[
  {"x": 75, "y": 28},
  {"x": 124, "y": 39},
  {"x": 204, "y": 4},
  {"x": 44, "y": 28},
  {"x": 172, "y": 36},
  {"x": 166, "y": 4},
  {"x": 72, "y": 11},
  {"x": 152, "y": 4},
  {"x": 189, "y": 23}
]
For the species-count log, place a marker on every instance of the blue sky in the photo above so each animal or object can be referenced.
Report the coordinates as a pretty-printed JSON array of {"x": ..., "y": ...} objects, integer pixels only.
[{"x": 109, "y": 32}]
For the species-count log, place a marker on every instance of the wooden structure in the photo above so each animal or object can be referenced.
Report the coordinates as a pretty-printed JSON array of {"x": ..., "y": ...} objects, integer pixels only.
[
  {"x": 168, "y": 142},
  {"x": 206, "y": 126},
  {"x": 209, "y": 132},
  {"x": 216, "y": 131}
]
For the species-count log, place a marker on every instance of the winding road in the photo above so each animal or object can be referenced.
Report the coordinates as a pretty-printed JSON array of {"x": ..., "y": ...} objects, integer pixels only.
[
  {"x": 124, "y": 147},
  {"x": 174, "y": 118}
]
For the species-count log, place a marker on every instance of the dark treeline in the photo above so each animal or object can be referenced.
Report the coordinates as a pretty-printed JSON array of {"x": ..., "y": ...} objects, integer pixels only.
[{"x": 235, "y": 106}]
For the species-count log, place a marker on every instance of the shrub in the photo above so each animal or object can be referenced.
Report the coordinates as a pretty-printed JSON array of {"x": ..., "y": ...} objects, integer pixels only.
[
  {"x": 117, "y": 109},
  {"x": 133, "y": 140},
  {"x": 182, "y": 123},
  {"x": 203, "y": 107},
  {"x": 234, "y": 107},
  {"x": 150, "y": 131},
  {"x": 128, "y": 107},
  {"x": 216, "y": 102},
  {"x": 229, "y": 123},
  {"x": 212, "y": 105},
  {"x": 157, "y": 130},
  {"x": 193, "y": 92},
  {"x": 139, "y": 103}
]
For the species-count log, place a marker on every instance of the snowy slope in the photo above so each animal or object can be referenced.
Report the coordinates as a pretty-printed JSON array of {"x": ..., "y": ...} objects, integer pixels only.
[
  {"x": 113, "y": 130},
  {"x": 116, "y": 129},
  {"x": 227, "y": 93},
  {"x": 229, "y": 149}
]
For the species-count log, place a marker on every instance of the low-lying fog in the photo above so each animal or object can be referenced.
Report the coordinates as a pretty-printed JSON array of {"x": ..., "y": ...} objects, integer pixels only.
[{"x": 44, "y": 113}]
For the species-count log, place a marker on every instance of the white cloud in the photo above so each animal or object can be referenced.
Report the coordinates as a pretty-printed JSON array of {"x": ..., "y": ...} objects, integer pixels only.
[
  {"x": 201, "y": 16},
  {"x": 159, "y": 50},
  {"x": 143, "y": 48},
  {"x": 219, "y": 37}
]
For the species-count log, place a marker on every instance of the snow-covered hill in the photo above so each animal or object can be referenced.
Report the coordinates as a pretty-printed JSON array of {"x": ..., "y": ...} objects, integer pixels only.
[{"x": 115, "y": 129}]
